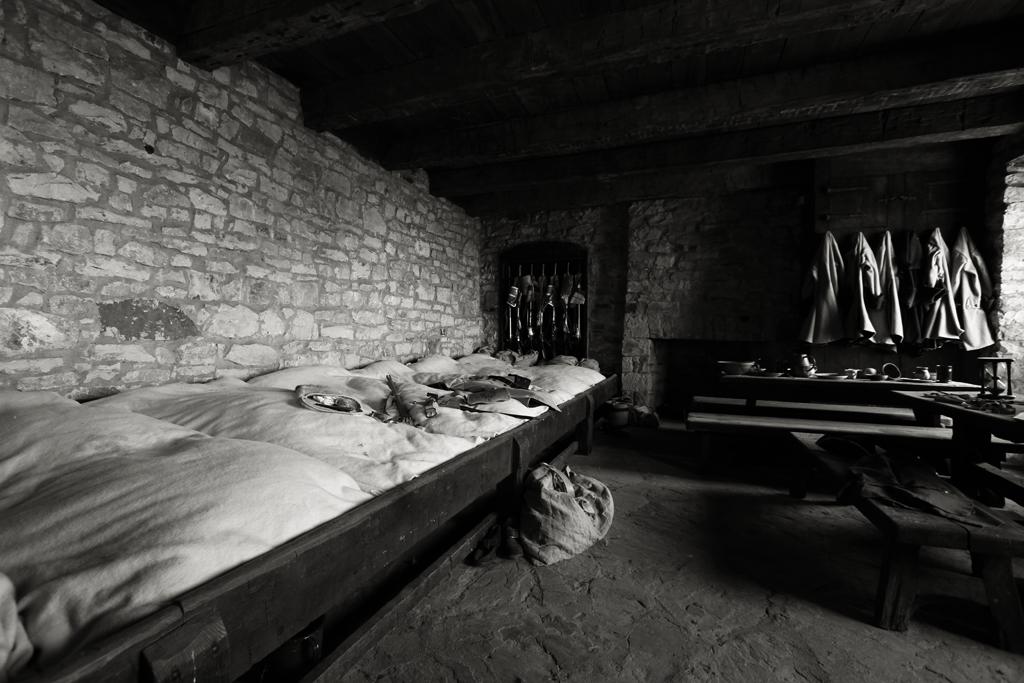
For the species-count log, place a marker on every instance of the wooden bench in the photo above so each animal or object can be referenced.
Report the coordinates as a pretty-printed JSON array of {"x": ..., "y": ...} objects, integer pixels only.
[
  {"x": 812, "y": 410},
  {"x": 991, "y": 549},
  {"x": 1004, "y": 482}
]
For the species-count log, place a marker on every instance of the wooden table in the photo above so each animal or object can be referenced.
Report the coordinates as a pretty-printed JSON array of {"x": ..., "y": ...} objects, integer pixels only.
[
  {"x": 977, "y": 426},
  {"x": 973, "y": 430},
  {"x": 991, "y": 549},
  {"x": 820, "y": 389}
]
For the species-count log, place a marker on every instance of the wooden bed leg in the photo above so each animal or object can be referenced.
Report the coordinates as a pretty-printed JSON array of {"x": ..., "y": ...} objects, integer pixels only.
[
  {"x": 897, "y": 587},
  {"x": 1003, "y": 599},
  {"x": 585, "y": 429}
]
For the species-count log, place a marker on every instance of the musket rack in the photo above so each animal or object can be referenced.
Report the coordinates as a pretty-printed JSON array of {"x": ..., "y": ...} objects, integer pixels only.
[{"x": 543, "y": 299}]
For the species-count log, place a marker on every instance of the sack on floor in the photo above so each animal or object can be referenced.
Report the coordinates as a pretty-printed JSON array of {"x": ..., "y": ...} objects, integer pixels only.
[{"x": 564, "y": 513}]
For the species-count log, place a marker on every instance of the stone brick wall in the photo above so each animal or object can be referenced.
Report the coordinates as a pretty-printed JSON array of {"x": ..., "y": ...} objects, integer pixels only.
[
  {"x": 159, "y": 222},
  {"x": 722, "y": 262},
  {"x": 603, "y": 232},
  {"x": 1008, "y": 216}
]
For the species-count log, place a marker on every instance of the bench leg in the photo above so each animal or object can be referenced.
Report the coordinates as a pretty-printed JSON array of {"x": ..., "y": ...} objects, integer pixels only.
[
  {"x": 897, "y": 587},
  {"x": 1003, "y": 599},
  {"x": 705, "y": 452}
]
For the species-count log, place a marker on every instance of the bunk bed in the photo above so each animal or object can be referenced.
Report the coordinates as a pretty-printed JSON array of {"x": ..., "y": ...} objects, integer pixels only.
[{"x": 343, "y": 572}]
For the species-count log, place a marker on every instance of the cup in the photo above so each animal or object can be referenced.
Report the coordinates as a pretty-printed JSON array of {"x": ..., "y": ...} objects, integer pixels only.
[
  {"x": 851, "y": 373},
  {"x": 944, "y": 373}
]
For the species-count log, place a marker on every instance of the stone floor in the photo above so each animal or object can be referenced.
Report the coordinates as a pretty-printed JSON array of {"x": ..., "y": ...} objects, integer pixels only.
[{"x": 701, "y": 578}]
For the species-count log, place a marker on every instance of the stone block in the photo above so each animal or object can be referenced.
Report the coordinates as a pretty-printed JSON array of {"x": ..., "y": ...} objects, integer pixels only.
[
  {"x": 205, "y": 202},
  {"x": 69, "y": 237},
  {"x": 31, "y": 366},
  {"x": 24, "y": 331},
  {"x": 142, "y": 253},
  {"x": 103, "y": 266},
  {"x": 109, "y": 119},
  {"x": 271, "y": 324},
  {"x": 302, "y": 325},
  {"x": 253, "y": 355},
  {"x": 231, "y": 322},
  {"x": 55, "y": 382},
  {"x": 50, "y": 186},
  {"x": 133, "y": 353},
  {"x": 337, "y": 332},
  {"x": 26, "y": 84}
]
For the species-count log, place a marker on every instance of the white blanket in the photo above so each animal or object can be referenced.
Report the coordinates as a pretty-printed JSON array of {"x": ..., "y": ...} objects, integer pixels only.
[
  {"x": 107, "y": 515},
  {"x": 377, "y": 456}
]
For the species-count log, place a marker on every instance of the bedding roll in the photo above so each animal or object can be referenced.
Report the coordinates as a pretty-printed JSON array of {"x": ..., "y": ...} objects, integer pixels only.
[{"x": 109, "y": 515}]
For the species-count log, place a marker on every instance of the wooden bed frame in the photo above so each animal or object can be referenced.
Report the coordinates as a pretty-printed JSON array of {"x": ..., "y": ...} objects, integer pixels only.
[{"x": 340, "y": 574}]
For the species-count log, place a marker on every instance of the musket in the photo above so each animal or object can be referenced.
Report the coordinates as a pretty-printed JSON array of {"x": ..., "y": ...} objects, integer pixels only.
[
  {"x": 537, "y": 322},
  {"x": 526, "y": 287},
  {"x": 577, "y": 299},
  {"x": 548, "y": 337},
  {"x": 512, "y": 303},
  {"x": 564, "y": 294}
]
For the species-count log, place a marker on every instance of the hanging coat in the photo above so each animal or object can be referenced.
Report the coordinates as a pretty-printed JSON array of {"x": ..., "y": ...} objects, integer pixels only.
[
  {"x": 971, "y": 284},
  {"x": 886, "y": 317},
  {"x": 911, "y": 259},
  {"x": 940, "y": 322},
  {"x": 824, "y": 322},
  {"x": 863, "y": 289}
]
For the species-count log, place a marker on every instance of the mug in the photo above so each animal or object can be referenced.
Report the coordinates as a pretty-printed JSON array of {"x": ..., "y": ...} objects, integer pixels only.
[{"x": 851, "y": 373}]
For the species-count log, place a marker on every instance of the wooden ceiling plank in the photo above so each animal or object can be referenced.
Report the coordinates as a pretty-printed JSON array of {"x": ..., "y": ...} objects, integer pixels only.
[
  {"x": 973, "y": 66},
  {"x": 597, "y": 190},
  {"x": 595, "y": 42},
  {"x": 482, "y": 29},
  {"x": 230, "y": 31},
  {"x": 973, "y": 118}
]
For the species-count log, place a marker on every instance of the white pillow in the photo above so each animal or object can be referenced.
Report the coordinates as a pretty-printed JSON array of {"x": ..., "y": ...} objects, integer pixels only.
[
  {"x": 382, "y": 368},
  {"x": 289, "y": 378},
  {"x": 437, "y": 364}
]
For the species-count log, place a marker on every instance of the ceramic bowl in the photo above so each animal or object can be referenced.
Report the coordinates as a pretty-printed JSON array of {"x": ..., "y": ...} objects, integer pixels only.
[{"x": 735, "y": 367}]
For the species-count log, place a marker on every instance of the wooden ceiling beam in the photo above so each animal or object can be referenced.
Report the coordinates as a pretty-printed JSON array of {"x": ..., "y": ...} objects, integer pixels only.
[
  {"x": 653, "y": 170},
  {"x": 230, "y": 31},
  {"x": 661, "y": 32},
  {"x": 947, "y": 70}
]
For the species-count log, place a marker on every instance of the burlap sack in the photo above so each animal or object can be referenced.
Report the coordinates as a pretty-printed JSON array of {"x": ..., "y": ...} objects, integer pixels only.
[{"x": 563, "y": 514}]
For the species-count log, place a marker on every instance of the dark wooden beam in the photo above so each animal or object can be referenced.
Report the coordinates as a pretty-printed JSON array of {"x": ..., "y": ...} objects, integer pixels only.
[
  {"x": 656, "y": 170},
  {"x": 950, "y": 69},
  {"x": 655, "y": 33},
  {"x": 161, "y": 18},
  {"x": 230, "y": 31}
]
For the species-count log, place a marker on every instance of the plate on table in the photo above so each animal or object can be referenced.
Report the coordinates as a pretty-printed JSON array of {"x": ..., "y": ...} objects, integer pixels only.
[{"x": 830, "y": 375}]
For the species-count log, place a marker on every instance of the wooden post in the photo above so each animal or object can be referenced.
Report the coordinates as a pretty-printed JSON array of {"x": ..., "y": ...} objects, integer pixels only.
[
  {"x": 1003, "y": 598},
  {"x": 897, "y": 587}
]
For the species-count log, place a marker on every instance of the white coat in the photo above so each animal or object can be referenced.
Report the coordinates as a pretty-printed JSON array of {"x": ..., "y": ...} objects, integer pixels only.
[
  {"x": 911, "y": 260},
  {"x": 863, "y": 289},
  {"x": 886, "y": 316},
  {"x": 971, "y": 284},
  {"x": 824, "y": 322},
  {"x": 940, "y": 322}
]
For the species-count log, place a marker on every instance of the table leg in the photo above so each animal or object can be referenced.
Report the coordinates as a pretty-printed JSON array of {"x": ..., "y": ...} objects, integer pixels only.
[
  {"x": 1003, "y": 599},
  {"x": 972, "y": 446}
]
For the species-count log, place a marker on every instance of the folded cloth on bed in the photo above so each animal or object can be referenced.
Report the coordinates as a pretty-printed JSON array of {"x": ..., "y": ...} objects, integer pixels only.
[
  {"x": 108, "y": 515},
  {"x": 564, "y": 381}
]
